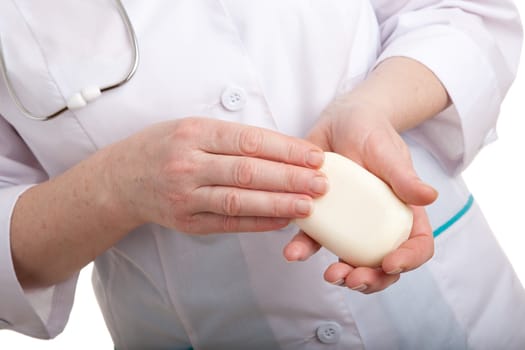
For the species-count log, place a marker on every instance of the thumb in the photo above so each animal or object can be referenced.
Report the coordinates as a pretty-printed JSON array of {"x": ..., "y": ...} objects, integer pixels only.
[
  {"x": 388, "y": 157},
  {"x": 411, "y": 189},
  {"x": 319, "y": 136}
]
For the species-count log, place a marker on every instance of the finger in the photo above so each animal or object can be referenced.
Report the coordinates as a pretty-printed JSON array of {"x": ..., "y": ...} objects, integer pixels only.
[
  {"x": 414, "y": 252},
  {"x": 361, "y": 279},
  {"x": 260, "y": 174},
  {"x": 300, "y": 248},
  {"x": 368, "y": 280},
  {"x": 236, "y": 139},
  {"x": 231, "y": 201},
  {"x": 337, "y": 272},
  {"x": 215, "y": 223}
]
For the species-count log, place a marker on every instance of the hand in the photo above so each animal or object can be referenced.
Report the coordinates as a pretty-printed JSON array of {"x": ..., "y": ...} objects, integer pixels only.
[
  {"x": 365, "y": 135},
  {"x": 202, "y": 175}
]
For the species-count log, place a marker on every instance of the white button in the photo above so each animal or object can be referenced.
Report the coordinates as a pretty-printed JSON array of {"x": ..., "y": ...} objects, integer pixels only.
[
  {"x": 234, "y": 98},
  {"x": 329, "y": 333}
]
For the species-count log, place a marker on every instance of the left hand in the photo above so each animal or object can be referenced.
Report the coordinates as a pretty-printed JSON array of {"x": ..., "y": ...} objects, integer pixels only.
[{"x": 364, "y": 134}]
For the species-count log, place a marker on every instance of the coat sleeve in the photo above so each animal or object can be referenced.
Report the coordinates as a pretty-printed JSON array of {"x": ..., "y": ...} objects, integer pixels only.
[
  {"x": 473, "y": 47},
  {"x": 37, "y": 313}
]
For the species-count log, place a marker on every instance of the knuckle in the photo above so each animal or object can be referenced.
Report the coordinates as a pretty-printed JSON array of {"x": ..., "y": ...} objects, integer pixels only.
[
  {"x": 243, "y": 173},
  {"x": 178, "y": 214},
  {"x": 292, "y": 177},
  {"x": 192, "y": 123},
  {"x": 187, "y": 128},
  {"x": 175, "y": 170},
  {"x": 181, "y": 216},
  {"x": 292, "y": 152},
  {"x": 185, "y": 224},
  {"x": 230, "y": 223},
  {"x": 277, "y": 208},
  {"x": 262, "y": 224},
  {"x": 250, "y": 141},
  {"x": 232, "y": 203},
  {"x": 179, "y": 200},
  {"x": 192, "y": 224}
]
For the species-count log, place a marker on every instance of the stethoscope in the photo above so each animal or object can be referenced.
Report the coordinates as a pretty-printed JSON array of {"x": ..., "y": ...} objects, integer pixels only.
[{"x": 88, "y": 93}]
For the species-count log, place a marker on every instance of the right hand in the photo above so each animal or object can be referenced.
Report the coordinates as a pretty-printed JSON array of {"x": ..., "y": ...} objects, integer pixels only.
[
  {"x": 364, "y": 133},
  {"x": 201, "y": 175}
]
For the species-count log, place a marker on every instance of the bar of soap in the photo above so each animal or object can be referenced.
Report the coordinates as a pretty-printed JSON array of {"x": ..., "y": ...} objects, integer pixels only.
[{"x": 359, "y": 219}]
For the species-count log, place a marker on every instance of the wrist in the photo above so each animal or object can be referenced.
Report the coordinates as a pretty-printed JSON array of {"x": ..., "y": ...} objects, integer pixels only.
[
  {"x": 402, "y": 90},
  {"x": 121, "y": 211}
]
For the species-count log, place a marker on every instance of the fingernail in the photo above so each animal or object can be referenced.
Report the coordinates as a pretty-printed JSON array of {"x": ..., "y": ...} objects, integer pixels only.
[
  {"x": 303, "y": 206},
  {"x": 360, "y": 288},
  {"x": 315, "y": 159},
  {"x": 291, "y": 254},
  {"x": 395, "y": 271},
  {"x": 340, "y": 282},
  {"x": 319, "y": 185}
]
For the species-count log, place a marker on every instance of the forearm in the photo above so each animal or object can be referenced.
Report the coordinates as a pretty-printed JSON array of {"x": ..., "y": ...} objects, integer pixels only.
[
  {"x": 161, "y": 175},
  {"x": 61, "y": 225},
  {"x": 403, "y": 90},
  {"x": 363, "y": 125}
]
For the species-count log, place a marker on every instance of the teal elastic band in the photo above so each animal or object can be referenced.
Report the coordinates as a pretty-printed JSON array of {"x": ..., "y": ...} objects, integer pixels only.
[{"x": 455, "y": 218}]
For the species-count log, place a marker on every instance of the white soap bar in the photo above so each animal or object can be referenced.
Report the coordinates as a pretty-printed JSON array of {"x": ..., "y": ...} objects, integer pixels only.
[{"x": 359, "y": 219}]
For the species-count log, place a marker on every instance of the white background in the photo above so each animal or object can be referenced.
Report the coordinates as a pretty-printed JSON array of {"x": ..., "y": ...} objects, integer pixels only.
[{"x": 495, "y": 178}]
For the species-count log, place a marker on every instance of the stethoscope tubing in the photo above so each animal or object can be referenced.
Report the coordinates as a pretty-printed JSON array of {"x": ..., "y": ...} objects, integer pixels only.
[{"x": 131, "y": 72}]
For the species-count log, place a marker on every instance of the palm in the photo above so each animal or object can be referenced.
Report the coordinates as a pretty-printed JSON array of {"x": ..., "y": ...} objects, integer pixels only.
[{"x": 374, "y": 144}]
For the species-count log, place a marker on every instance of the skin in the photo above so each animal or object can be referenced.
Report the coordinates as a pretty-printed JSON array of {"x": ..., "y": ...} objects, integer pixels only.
[
  {"x": 260, "y": 180},
  {"x": 364, "y": 125},
  {"x": 161, "y": 175}
]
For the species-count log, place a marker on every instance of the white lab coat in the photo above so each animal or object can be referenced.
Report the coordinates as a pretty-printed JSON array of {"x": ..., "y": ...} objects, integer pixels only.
[{"x": 158, "y": 288}]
